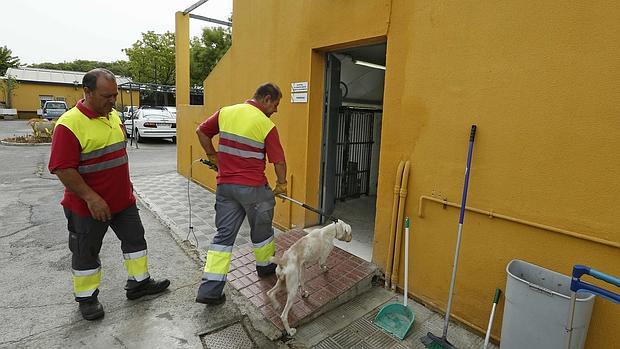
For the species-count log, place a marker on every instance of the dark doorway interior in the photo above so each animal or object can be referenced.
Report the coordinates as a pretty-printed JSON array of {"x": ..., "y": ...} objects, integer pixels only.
[{"x": 352, "y": 140}]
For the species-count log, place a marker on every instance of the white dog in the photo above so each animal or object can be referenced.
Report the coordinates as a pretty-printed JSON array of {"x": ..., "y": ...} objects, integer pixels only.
[{"x": 315, "y": 246}]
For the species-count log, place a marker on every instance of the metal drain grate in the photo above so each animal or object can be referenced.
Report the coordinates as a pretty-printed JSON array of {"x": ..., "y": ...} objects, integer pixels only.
[{"x": 231, "y": 337}]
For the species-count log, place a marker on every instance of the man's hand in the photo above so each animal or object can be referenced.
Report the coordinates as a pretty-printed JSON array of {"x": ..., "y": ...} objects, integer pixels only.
[
  {"x": 279, "y": 189},
  {"x": 212, "y": 158},
  {"x": 73, "y": 181},
  {"x": 98, "y": 208}
]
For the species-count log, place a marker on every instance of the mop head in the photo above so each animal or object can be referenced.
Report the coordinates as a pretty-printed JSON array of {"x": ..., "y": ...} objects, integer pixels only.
[{"x": 431, "y": 341}]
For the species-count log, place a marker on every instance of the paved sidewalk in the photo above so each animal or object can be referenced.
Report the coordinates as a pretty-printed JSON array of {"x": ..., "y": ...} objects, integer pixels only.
[
  {"x": 37, "y": 309},
  {"x": 347, "y": 275},
  {"x": 344, "y": 326}
]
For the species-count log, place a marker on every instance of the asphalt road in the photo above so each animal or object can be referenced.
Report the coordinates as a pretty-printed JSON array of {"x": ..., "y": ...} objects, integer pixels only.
[{"x": 37, "y": 307}]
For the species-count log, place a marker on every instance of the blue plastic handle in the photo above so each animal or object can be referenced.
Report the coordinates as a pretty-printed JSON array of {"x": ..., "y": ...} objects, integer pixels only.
[{"x": 577, "y": 285}]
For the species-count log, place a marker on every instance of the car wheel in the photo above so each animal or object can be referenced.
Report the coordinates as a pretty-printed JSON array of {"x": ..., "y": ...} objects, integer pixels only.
[{"x": 138, "y": 138}]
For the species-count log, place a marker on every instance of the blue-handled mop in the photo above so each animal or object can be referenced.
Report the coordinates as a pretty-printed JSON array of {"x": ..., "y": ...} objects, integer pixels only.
[{"x": 430, "y": 340}]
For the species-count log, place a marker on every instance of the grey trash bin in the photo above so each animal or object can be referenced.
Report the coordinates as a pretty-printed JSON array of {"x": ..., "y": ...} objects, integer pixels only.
[{"x": 536, "y": 309}]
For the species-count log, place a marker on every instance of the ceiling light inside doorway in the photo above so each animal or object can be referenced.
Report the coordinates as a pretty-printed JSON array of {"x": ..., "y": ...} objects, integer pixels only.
[{"x": 368, "y": 64}]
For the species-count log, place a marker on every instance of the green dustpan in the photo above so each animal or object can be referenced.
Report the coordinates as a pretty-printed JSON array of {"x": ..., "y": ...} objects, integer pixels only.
[{"x": 396, "y": 319}]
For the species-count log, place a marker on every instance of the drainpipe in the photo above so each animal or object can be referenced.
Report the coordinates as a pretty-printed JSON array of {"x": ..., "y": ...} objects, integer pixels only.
[
  {"x": 399, "y": 225},
  {"x": 390, "y": 256}
]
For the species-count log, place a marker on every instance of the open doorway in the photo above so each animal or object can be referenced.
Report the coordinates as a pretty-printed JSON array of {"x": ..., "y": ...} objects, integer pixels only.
[{"x": 352, "y": 141}]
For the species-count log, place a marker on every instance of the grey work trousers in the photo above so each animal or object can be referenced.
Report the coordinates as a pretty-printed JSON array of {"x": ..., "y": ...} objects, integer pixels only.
[{"x": 232, "y": 204}]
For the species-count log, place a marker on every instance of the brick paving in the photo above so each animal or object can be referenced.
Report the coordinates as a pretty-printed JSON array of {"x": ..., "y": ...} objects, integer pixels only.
[
  {"x": 167, "y": 196},
  {"x": 344, "y": 271}
]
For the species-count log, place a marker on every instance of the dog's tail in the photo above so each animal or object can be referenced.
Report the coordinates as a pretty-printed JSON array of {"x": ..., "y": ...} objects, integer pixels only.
[{"x": 277, "y": 260}]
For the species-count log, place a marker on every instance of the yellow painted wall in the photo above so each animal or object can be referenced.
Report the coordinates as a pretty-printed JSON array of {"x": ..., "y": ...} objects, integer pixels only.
[
  {"x": 541, "y": 81},
  {"x": 26, "y": 96}
]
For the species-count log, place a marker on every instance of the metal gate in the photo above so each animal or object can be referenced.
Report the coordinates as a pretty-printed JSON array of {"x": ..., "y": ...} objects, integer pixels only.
[{"x": 354, "y": 152}]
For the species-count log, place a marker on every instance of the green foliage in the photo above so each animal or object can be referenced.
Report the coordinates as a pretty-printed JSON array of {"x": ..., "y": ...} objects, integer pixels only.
[
  {"x": 152, "y": 59},
  {"x": 206, "y": 51},
  {"x": 8, "y": 86},
  {"x": 7, "y": 60},
  {"x": 81, "y": 65}
]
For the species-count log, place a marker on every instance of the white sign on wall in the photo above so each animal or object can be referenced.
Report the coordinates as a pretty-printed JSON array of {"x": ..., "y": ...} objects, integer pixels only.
[
  {"x": 299, "y": 97},
  {"x": 299, "y": 86}
]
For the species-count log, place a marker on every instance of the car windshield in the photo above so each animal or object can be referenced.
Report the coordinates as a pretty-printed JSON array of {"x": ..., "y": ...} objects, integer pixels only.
[{"x": 55, "y": 106}]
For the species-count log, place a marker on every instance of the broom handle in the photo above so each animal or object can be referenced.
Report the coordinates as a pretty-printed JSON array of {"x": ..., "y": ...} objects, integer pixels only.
[
  {"x": 472, "y": 135},
  {"x": 405, "y": 295},
  {"x": 488, "y": 335}
]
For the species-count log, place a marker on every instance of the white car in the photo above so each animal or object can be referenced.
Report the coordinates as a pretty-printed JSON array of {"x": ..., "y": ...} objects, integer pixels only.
[
  {"x": 151, "y": 122},
  {"x": 172, "y": 110},
  {"x": 127, "y": 111}
]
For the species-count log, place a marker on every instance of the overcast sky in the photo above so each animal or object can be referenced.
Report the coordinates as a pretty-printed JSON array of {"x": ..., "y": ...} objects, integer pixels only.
[{"x": 57, "y": 31}]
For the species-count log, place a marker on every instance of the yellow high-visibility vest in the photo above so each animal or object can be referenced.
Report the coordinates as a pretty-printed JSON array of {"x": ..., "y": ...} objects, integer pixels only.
[
  {"x": 97, "y": 136},
  {"x": 244, "y": 124}
]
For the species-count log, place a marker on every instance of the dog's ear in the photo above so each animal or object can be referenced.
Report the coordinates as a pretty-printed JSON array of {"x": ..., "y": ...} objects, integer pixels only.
[{"x": 338, "y": 229}]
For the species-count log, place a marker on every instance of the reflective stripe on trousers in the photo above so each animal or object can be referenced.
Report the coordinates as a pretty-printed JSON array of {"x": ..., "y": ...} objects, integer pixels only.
[
  {"x": 136, "y": 264},
  {"x": 263, "y": 251},
  {"x": 218, "y": 262},
  {"x": 233, "y": 203},
  {"x": 86, "y": 282}
]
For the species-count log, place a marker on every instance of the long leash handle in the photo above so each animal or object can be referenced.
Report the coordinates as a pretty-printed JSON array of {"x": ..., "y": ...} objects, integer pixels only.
[
  {"x": 472, "y": 136},
  {"x": 307, "y": 207}
]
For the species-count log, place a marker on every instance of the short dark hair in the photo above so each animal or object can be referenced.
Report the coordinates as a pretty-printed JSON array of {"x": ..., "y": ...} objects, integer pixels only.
[
  {"x": 268, "y": 89},
  {"x": 90, "y": 79}
]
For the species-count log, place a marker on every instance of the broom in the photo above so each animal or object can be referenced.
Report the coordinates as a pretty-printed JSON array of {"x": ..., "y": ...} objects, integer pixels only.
[{"x": 430, "y": 340}]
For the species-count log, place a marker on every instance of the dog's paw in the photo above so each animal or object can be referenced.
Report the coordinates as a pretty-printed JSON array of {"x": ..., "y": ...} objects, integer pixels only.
[
  {"x": 276, "y": 305},
  {"x": 305, "y": 294},
  {"x": 291, "y": 332}
]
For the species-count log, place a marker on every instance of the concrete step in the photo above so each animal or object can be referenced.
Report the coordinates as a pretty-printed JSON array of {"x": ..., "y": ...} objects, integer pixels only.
[{"x": 346, "y": 278}]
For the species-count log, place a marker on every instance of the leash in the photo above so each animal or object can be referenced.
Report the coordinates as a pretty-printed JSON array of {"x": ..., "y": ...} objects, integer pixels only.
[{"x": 329, "y": 217}]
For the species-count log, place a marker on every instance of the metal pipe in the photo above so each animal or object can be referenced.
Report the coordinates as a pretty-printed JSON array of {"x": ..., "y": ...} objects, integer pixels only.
[
  {"x": 212, "y": 20},
  {"x": 399, "y": 224},
  {"x": 290, "y": 206},
  {"x": 392, "y": 232},
  {"x": 194, "y": 6},
  {"x": 492, "y": 214}
]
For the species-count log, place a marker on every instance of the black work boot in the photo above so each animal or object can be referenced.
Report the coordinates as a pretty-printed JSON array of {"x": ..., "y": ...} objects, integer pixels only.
[
  {"x": 211, "y": 301},
  {"x": 136, "y": 289},
  {"x": 267, "y": 270},
  {"x": 91, "y": 309}
]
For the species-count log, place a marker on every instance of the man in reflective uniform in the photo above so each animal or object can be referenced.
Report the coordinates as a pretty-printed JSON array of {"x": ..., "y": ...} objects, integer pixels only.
[
  {"x": 246, "y": 138},
  {"x": 88, "y": 156}
]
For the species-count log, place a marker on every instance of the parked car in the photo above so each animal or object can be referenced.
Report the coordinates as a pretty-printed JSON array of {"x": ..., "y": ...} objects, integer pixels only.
[
  {"x": 151, "y": 122},
  {"x": 54, "y": 109},
  {"x": 127, "y": 111},
  {"x": 172, "y": 110}
]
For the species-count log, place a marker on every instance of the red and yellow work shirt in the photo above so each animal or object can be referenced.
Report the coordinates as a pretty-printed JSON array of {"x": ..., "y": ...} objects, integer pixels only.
[
  {"x": 246, "y": 137},
  {"x": 94, "y": 145}
]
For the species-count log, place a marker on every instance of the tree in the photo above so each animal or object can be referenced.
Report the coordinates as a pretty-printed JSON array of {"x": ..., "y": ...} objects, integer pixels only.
[
  {"x": 8, "y": 86},
  {"x": 151, "y": 59},
  {"x": 7, "y": 60},
  {"x": 206, "y": 51},
  {"x": 118, "y": 67}
]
